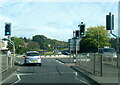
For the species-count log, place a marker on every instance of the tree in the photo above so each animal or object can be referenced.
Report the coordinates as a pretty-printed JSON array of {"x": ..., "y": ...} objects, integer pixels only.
[
  {"x": 33, "y": 45},
  {"x": 40, "y": 39},
  {"x": 96, "y": 37},
  {"x": 46, "y": 43},
  {"x": 19, "y": 44}
]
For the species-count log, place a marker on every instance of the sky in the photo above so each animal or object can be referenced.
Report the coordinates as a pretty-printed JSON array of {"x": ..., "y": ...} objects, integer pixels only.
[{"x": 54, "y": 19}]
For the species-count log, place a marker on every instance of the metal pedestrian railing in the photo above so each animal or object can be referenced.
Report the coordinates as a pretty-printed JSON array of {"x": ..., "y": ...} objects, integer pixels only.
[
  {"x": 7, "y": 61},
  {"x": 98, "y": 64}
]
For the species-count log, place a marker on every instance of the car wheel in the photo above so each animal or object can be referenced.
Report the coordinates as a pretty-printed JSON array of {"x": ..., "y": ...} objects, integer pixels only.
[
  {"x": 25, "y": 62},
  {"x": 40, "y": 64}
]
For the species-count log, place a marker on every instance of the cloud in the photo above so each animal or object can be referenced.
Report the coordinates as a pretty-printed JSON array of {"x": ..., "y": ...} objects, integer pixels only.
[
  {"x": 54, "y": 33},
  {"x": 3, "y": 20},
  {"x": 55, "y": 20},
  {"x": 61, "y": 0}
]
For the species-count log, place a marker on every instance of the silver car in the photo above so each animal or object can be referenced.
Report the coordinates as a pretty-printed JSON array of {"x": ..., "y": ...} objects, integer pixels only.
[{"x": 32, "y": 57}]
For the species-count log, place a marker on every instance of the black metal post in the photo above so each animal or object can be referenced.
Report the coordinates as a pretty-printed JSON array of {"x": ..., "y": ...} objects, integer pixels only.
[
  {"x": 101, "y": 65},
  {"x": 94, "y": 63}
]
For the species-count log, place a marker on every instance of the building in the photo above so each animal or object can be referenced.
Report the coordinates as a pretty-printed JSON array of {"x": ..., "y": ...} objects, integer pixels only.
[{"x": 3, "y": 45}]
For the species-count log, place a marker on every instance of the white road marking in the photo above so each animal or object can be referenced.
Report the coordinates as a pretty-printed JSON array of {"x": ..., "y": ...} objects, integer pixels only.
[
  {"x": 81, "y": 80},
  {"x": 19, "y": 79},
  {"x": 8, "y": 78},
  {"x": 59, "y": 62},
  {"x": 75, "y": 73},
  {"x": 24, "y": 74}
]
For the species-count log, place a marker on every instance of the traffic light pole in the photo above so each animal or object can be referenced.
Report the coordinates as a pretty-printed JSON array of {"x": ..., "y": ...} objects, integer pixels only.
[
  {"x": 12, "y": 43},
  {"x": 117, "y": 38},
  {"x": 110, "y": 26},
  {"x": 77, "y": 42}
]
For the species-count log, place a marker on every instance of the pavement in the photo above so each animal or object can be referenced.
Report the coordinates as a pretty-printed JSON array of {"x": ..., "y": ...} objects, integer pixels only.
[
  {"x": 7, "y": 73},
  {"x": 110, "y": 77}
]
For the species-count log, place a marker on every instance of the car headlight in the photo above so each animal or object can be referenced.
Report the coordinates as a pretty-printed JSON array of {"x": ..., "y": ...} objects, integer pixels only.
[{"x": 115, "y": 56}]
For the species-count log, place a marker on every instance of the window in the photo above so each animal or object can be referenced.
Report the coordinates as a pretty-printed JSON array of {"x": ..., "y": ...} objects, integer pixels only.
[{"x": 32, "y": 54}]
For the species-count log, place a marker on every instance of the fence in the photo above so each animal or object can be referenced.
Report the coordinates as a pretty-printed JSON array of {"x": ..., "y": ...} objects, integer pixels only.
[
  {"x": 6, "y": 62},
  {"x": 98, "y": 64},
  {"x": 0, "y": 69}
]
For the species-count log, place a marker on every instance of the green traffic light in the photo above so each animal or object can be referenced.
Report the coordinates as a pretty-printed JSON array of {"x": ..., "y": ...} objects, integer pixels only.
[
  {"x": 82, "y": 33},
  {"x": 8, "y": 32}
]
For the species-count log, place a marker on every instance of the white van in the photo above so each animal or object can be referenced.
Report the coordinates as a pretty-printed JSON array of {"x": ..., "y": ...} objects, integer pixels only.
[{"x": 108, "y": 51}]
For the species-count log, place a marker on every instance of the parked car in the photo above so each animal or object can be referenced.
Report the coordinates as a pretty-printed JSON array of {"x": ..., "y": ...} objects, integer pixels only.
[
  {"x": 65, "y": 53},
  {"x": 32, "y": 57}
]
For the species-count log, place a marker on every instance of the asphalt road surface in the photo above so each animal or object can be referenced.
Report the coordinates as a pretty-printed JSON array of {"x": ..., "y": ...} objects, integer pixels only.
[{"x": 51, "y": 71}]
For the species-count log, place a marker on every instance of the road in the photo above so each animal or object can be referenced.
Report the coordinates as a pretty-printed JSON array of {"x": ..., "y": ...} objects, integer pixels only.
[{"x": 51, "y": 71}]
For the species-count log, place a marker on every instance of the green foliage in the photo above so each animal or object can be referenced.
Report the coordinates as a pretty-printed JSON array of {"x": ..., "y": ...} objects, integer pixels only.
[
  {"x": 95, "y": 37},
  {"x": 46, "y": 43},
  {"x": 19, "y": 44},
  {"x": 36, "y": 43},
  {"x": 33, "y": 45},
  {"x": 41, "y": 40}
]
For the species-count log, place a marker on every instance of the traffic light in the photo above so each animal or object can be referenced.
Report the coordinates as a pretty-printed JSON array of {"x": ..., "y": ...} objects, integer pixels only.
[
  {"x": 77, "y": 34},
  {"x": 112, "y": 22},
  {"x": 7, "y": 29},
  {"x": 109, "y": 22},
  {"x": 82, "y": 29}
]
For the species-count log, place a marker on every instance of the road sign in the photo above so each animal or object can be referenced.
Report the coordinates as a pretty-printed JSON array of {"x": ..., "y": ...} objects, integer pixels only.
[{"x": 73, "y": 44}]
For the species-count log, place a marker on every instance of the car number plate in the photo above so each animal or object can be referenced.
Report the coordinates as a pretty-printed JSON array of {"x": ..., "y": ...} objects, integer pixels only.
[{"x": 33, "y": 61}]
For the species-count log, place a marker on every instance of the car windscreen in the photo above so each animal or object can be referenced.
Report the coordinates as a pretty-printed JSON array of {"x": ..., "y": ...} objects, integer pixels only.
[
  {"x": 32, "y": 54},
  {"x": 109, "y": 50}
]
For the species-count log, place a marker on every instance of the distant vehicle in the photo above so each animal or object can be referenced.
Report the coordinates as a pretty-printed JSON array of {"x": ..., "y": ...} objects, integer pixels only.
[
  {"x": 108, "y": 51},
  {"x": 65, "y": 53},
  {"x": 32, "y": 57}
]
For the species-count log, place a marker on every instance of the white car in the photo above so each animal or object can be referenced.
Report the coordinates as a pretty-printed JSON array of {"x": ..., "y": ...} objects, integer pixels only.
[
  {"x": 108, "y": 52},
  {"x": 32, "y": 57}
]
